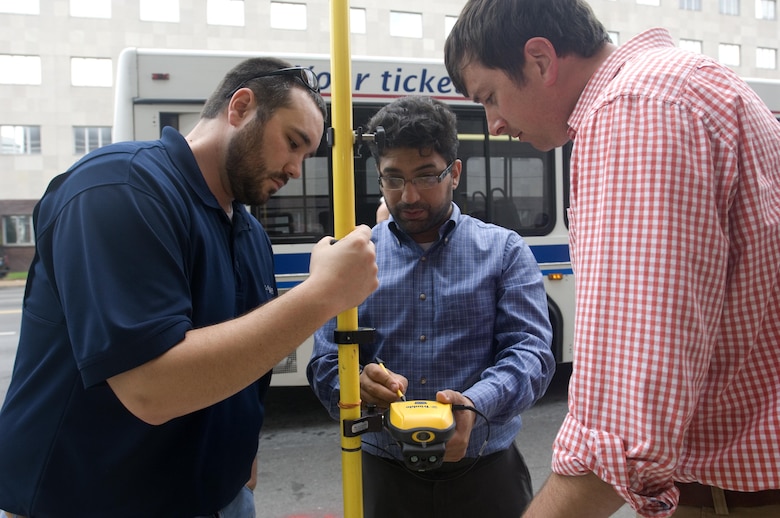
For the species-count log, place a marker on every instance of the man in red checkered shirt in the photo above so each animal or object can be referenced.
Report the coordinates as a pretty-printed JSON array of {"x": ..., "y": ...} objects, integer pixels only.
[{"x": 674, "y": 403}]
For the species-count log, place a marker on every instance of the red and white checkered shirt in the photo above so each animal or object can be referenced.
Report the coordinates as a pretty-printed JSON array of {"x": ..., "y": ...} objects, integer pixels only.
[{"x": 675, "y": 239}]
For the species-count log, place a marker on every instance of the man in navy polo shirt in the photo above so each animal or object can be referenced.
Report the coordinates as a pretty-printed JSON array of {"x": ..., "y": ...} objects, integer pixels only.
[{"x": 144, "y": 355}]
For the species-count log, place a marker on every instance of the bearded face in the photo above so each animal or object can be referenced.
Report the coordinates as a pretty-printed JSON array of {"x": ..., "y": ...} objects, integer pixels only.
[
  {"x": 419, "y": 212},
  {"x": 249, "y": 179}
]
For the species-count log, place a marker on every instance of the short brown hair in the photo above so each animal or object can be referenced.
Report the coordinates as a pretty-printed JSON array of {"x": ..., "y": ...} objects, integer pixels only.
[{"x": 493, "y": 33}]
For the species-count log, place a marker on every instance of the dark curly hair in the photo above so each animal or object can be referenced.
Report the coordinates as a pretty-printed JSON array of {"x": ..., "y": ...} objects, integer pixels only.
[{"x": 417, "y": 122}]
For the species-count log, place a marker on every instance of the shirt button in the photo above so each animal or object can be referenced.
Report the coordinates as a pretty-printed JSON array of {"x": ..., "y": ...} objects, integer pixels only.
[
  {"x": 423, "y": 258},
  {"x": 423, "y": 381},
  {"x": 422, "y": 338},
  {"x": 422, "y": 296}
]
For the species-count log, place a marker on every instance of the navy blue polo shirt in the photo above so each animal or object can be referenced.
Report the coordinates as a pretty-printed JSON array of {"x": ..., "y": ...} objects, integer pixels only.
[{"x": 132, "y": 251}]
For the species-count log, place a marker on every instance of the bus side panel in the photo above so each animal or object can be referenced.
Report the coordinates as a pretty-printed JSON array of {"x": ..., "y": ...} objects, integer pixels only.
[{"x": 504, "y": 182}]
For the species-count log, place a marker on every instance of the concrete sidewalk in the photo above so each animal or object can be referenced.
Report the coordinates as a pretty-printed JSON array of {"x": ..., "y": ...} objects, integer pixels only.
[{"x": 6, "y": 283}]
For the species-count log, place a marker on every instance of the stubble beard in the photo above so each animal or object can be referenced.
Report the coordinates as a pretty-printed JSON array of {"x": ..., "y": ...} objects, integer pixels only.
[
  {"x": 245, "y": 167},
  {"x": 433, "y": 221}
]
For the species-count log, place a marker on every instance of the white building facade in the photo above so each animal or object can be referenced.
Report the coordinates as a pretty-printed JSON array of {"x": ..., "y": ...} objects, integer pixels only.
[{"x": 58, "y": 61}]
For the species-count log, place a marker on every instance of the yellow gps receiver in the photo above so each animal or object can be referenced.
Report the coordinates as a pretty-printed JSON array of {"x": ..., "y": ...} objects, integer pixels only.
[{"x": 421, "y": 428}]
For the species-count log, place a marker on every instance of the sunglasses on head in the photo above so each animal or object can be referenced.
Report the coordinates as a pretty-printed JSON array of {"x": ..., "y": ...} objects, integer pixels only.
[{"x": 304, "y": 75}]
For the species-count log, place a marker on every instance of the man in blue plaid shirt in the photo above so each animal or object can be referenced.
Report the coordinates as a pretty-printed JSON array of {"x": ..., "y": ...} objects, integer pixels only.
[{"x": 460, "y": 317}]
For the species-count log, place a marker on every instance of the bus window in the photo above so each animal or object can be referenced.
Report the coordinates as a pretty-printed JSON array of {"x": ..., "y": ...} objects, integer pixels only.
[
  {"x": 183, "y": 122},
  {"x": 301, "y": 212},
  {"x": 514, "y": 188}
]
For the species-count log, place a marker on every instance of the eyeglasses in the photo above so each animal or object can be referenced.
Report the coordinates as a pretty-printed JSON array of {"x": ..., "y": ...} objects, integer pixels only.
[
  {"x": 396, "y": 183},
  {"x": 304, "y": 75}
]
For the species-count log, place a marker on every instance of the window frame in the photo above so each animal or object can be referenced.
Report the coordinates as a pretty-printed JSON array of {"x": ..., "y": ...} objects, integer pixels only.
[
  {"x": 288, "y": 21},
  {"x": 401, "y": 23},
  {"x": 100, "y": 135},
  {"x": 27, "y": 227},
  {"x": 729, "y": 7},
  {"x": 26, "y": 139}
]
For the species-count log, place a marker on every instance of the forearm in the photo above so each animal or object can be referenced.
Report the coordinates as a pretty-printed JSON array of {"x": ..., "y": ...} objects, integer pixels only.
[
  {"x": 215, "y": 362},
  {"x": 517, "y": 379},
  {"x": 523, "y": 364},
  {"x": 322, "y": 371},
  {"x": 586, "y": 496}
]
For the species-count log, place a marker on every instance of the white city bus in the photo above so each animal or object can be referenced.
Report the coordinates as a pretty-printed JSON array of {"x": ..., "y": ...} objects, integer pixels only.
[{"x": 504, "y": 181}]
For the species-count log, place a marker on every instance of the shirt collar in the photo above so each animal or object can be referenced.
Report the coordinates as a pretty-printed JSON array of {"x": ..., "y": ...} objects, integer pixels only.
[
  {"x": 181, "y": 155},
  {"x": 610, "y": 68},
  {"x": 444, "y": 230}
]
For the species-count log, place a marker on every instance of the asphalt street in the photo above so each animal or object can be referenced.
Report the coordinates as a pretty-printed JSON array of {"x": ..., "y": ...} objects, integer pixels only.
[{"x": 299, "y": 474}]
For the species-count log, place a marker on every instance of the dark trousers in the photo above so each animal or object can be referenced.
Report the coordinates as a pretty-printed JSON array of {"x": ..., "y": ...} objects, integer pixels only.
[{"x": 496, "y": 486}]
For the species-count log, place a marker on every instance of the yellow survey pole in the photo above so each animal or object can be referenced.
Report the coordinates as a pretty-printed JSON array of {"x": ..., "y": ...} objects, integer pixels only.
[{"x": 344, "y": 222}]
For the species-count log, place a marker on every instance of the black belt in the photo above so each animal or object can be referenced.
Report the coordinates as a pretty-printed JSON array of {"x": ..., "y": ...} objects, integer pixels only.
[{"x": 698, "y": 495}]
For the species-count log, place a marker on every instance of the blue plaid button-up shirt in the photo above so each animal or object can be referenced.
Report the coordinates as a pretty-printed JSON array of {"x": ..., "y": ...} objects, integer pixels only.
[{"x": 468, "y": 314}]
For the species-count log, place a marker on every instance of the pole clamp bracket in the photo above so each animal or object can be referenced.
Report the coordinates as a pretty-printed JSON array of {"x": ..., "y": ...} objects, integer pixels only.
[
  {"x": 370, "y": 422},
  {"x": 361, "y": 335}
]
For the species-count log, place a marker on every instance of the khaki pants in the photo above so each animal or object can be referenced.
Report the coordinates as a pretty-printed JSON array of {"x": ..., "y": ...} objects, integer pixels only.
[
  {"x": 702, "y": 501},
  {"x": 767, "y": 511}
]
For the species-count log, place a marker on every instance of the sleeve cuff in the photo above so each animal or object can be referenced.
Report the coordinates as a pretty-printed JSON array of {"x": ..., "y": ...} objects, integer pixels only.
[{"x": 578, "y": 450}]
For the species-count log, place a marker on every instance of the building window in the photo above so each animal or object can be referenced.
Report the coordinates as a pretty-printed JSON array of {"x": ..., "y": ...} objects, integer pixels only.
[
  {"x": 406, "y": 25},
  {"x": 20, "y": 140},
  {"x": 90, "y": 8},
  {"x": 649, "y": 2},
  {"x": 89, "y": 138},
  {"x": 728, "y": 54},
  {"x": 159, "y": 11},
  {"x": 730, "y": 7},
  {"x": 766, "y": 58},
  {"x": 91, "y": 72},
  {"x": 20, "y": 70},
  {"x": 766, "y": 9},
  {"x": 225, "y": 12},
  {"x": 690, "y": 5},
  {"x": 20, "y": 6},
  {"x": 692, "y": 45},
  {"x": 449, "y": 21},
  {"x": 18, "y": 230},
  {"x": 614, "y": 36},
  {"x": 357, "y": 20},
  {"x": 288, "y": 16}
]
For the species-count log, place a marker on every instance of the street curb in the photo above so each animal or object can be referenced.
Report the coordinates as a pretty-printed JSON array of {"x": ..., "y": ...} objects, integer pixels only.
[{"x": 5, "y": 283}]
